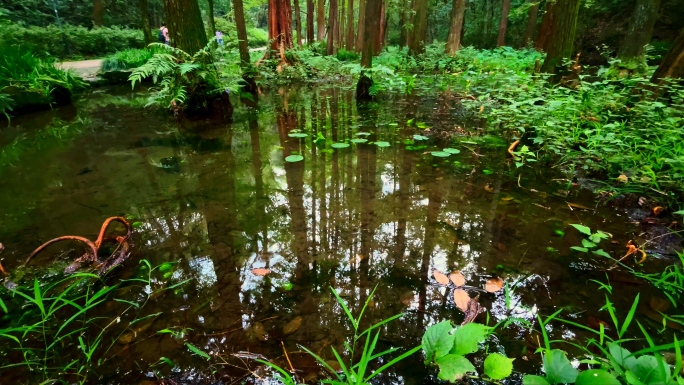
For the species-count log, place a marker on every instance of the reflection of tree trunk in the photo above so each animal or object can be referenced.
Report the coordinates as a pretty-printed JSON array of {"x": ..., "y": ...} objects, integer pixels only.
[
  {"x": 258, "y": 181},
  {"x": 404, "y": 202},
  {"x": 145, "y": 21},
  {"x": 367, "y": 163}
]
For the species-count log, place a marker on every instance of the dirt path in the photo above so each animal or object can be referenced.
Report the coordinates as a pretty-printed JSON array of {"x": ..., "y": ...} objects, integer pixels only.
[{"x": 85, "y": 68}]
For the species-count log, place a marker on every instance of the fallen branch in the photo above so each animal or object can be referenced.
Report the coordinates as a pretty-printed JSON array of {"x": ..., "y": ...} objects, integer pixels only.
[{"x": 512, "y": 147}]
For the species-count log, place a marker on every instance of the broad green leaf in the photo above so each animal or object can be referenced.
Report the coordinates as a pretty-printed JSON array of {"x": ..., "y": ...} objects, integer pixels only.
[
  {"x": 453, "y": 367},
  {"x": 197, "y": 351},
  {"x": 582, "y": 249},
  {"x": 452, "y": 150},
  {"x": 382, "y": 144},
  {"x": 359, "y": 140},
  {"x": 440, "y": 154},
  {"x": 339, "y": 145},
  {"x": 651, "y": 370},
  {"x": 621, "y": 355},
  {"x": 437, "y": 341},
  {"x": 297, "y": 135},
  {"x": 497, "y": 366},
  {"x": 529, "y": 379},
  {"x": 596, "y": 377},
  {"x": 294, "y": 158},
  {"x": 680, "y": 212},
  {"x": 420, "y": 137},
  {"x": 558, "y": 368},
  {"x": 601, "y": 253},
  {"x": 582, "y": 229},
  {"x": 468, "y": 337},
  {"x": 632, "y": 379},
  {"x": 588, "y": 244}
]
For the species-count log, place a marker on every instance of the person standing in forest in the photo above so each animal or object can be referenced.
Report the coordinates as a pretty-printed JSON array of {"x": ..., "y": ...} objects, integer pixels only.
[
  {"x": 163, "y": 34},
  {"x": 219, "y": 37}
]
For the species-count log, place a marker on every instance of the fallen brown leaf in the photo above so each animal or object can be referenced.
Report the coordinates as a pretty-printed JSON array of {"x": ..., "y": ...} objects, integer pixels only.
[
  {"x": 473, "y": 310},
  {"x": 658, "y": 210},
  {"x": 488, "y": 187},
  {"x": 292, "y": 326},
  {"x": 461, "y": 298},
  {"x": 261, "y": 272},
  {"x": 494, "y": 284},
  {"x": 441, "y": 278},
  {"x": 457, "y": 278},
  {"x": 622, "y": 178},
  {"x": 578, "y": 206}
]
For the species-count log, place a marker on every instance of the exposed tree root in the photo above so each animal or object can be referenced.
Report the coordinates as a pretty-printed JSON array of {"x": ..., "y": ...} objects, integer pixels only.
[{"x": 117, "y": 256}]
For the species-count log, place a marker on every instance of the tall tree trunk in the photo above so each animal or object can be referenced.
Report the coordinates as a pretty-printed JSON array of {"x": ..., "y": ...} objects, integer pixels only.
[
  {"x": 378, "y": 38},
  {"x": 98, "y": 13},
  {"x": 457, "y": 17},
  {"x": 349, "y": 40},
  {"x": 279, "y": 29},
  {"x": 503, "y": 24},
  {"x": 402, "y": 23},
  {"x": 184, "y": 20},
  {"x": 562, "y": 37},
  {"x": 363, "y": 5},
  {"x": 672, "y": 65},
  {"x": 631, "y": 51},
  {"x": 212, "y": 23},
  {"x": 341, "y": 26},
  {"x": 145, "y": 21},
  {"x": 310, "y": 21},
  {"x": 243, "y": 47},
  {"x": 548, "y": 20},
  {"x": 321, "y": 20},
  {"x": 298, "y": 20},
  {"x": 332, "y": 28},
  {"x": 372, "y": 23},
  {"x": 528, "y": 36},
  {"x": 416, "y": 41}
]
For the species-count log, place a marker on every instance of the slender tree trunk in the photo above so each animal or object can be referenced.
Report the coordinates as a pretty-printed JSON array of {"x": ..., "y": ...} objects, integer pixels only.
[
  {"x": 416, "y": 41},
  {"x": 321, "y": 20},
  {"x": 184, "y": 20},
  {"x": 298, "y": 20},
  {"x": 332, "y": 28},
  {"x": 279, "y": 29},
  {"x": 98, "y": 13},
  {"x": 528, "y": 36},
  {"x": 379, "y": 37},
  {"x": 349, "y": 40},
  {"x": 341, "y": 26},
  {"x": 363, "y": 5},
  {"x": 372, "y": 21},
  {"x": 672, "y": 65},
  {"x": 457, "y": 18},
  {"x": 212, "y": 23},
  {"x": 503, "y": 24},
  {"x": 243, "y": 47},
  {"x": 631, "y": 52},
  {"x": 548, "y": 20},
  {"x": 145, "y": 21},
  {"x": 310, "y": 21},
  {"x": 402, "y": 24},
  {"x": 562, "y": 37}
]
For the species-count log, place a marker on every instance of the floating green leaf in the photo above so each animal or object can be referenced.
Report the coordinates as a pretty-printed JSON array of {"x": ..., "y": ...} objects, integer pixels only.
[
  {"x": 294, "y": 158},
  {"x": 497, "y": 366},
  {"x": 596, "y": 377},
  {"x": 197, "y": 351},
  {"x": 558, "y": 368},
  {"x": 529, "y": 379},
  {"x": 440, "y": 154},
  {"x": 582, "y": 229},
  {"x": 359, "y": 140},
  {"x": 468, "y": 337},
  {"x": 363, "y": 134},
  {"x": 601, "y": 253},
  {"x": 437, "y": 341},
  {"x": 453, "y": 367},
  {"x": 420, "y": 137},
  {"x": 297, "y": 135},
  {"x": 452, "y": 150},
  {"x": 339, "y": 145},
  {"x": 382, "y": 144}
]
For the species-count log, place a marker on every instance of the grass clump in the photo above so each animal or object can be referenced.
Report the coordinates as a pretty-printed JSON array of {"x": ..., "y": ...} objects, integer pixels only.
[{"x": 127, "y": 59}]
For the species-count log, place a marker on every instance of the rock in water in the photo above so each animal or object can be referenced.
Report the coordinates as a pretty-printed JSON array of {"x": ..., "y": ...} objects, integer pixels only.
[{"x": 293, "y": 326}]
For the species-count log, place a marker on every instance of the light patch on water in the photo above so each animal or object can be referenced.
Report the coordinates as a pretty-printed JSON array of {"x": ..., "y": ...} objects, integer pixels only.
[{"x": 204, "y": 271}]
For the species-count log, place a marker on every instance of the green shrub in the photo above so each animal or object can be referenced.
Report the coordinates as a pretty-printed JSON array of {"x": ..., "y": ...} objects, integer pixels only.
[
  {"x": 82, "y": 42},
  {"x": 256, "y": 37},
  {"x": 22, "y": 68},
  {"x": 344, "y": 55},
  {"x": 127, "y": 59}
]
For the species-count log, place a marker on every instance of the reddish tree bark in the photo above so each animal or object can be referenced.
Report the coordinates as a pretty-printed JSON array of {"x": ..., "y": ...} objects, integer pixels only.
[
  {"x": 533, "y": 12},
  {"x": 672, "y": 65},
  {"x": 372, "y": 23},
  {"x": 416, "y": 41},
  {"x": 298, "y": 21},
  {"x": 331, "y": 48},
  {"x": 546, "y": 25},
  {"x": 279, "y": 28},
  {"x": 310, "y": 21},
  {"x": 379, "y": 38},
  {"x": 456, "y": 27},
  {"x": 349, "y": 40},
  {"x": 321, "y": 20},
  {"x": 503, "y": 24}
]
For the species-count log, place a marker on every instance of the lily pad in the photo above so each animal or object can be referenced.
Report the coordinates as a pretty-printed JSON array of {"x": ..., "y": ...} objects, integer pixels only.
[
  {"x": 294, "y": 158},
  {"x": 363, "y": 134},
  {"x": 420, "y": 137},
  {"x": 452, "y": 150},
  {"x": 382, "y": 144},
  {"x": 297, "y": 135},
  {"x": 359, "y": 140},
  {"x": 340, "y": 145},
  {"x": 440, "y": 154}
]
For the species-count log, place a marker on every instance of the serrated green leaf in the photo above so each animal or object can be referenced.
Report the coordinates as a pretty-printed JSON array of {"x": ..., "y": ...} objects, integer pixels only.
[
  {"x": 468, "y": 337},
  {"x": 596, "y": 377},
  {"x": 437, "y": 341},
  {"x": 582, "y": 229},
  {"x": 453, "y": 367},
  {"x": 529, "y": 379},
  {"x": 497, "y": 366},
  {"x": 558, "y": 368}
]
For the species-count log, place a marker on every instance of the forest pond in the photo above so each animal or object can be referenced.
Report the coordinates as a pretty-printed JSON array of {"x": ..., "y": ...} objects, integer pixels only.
[{"x": 260, "y": 240}]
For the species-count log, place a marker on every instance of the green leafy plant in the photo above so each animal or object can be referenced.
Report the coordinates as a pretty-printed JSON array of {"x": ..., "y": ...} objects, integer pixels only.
[
  {"x": 447, "y": 347},
  {"x": 127, "y": 59},
  {"x": 591, "y": 241}
]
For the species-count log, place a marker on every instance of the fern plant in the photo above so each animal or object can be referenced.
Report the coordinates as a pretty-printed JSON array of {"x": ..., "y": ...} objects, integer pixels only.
[{"x": 184, "y": 81}]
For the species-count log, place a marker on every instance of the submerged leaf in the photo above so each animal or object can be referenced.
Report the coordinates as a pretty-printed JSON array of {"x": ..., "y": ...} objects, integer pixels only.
[
  {"x": 457, "y": 278},
  {"x": 461, "y": 298},
  {"x": 441, "y": 278},
  {"x": 494, "y": 284},
  {"x": 294, "y": 158},
  {"x": 293, "y": 326}
]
